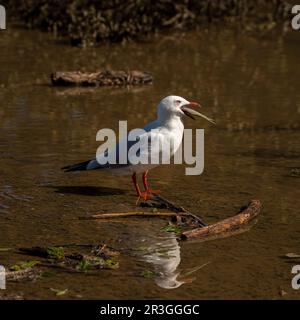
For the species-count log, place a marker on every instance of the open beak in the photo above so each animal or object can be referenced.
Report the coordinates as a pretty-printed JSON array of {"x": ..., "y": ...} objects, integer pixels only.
[{"x": 188, "y": 111}]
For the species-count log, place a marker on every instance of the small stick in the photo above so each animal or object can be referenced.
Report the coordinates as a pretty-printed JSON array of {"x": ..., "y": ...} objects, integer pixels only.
[
  {"x": 113, "y": 220},
  {"x": 129, "y": 214}
]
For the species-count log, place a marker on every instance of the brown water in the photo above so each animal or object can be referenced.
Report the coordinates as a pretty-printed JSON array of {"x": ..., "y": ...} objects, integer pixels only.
[{"x": 249, "y": 85}]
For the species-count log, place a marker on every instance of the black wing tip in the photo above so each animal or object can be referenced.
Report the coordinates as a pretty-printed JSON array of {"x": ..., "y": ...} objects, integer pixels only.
[{"x": 76, "y": 167}]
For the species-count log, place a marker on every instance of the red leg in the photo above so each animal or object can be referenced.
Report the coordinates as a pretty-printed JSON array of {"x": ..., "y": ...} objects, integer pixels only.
[
  {"x": 140, "y": 194},
  {"x": 136, "y": 186},
  {"x": 145, "y": 182}
]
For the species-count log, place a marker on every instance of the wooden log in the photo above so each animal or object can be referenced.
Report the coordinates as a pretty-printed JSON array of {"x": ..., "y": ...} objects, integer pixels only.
[
  {"x": 223, "y": 235},
  {"x": 101, "y": 78},
  {"x": 244, "y": 216}
]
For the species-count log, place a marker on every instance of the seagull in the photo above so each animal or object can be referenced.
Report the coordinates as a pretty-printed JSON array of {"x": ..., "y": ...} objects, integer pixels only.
[{"x": 166, "y": 130}]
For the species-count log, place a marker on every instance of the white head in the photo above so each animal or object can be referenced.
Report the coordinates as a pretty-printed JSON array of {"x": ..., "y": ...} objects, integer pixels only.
[{"x": 176, "y": 106}]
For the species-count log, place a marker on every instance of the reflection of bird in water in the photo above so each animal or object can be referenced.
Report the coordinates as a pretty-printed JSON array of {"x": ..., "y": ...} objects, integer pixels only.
[{"x": 164, "y": 255}]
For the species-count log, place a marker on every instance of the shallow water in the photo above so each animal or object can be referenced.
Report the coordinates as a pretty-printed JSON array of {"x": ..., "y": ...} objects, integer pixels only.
[{"x": 249, "y": 85}]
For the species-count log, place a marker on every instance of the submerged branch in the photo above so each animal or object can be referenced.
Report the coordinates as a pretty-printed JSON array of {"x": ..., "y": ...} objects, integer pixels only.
[{"x": 179, "y": 209}]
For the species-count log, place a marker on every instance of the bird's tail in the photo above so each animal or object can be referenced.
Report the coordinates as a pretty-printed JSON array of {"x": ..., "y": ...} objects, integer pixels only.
[{"x": 76, "y": 167}]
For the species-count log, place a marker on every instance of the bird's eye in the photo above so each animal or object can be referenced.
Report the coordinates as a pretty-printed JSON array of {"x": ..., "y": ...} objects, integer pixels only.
[{"x": 177, "y": 102}]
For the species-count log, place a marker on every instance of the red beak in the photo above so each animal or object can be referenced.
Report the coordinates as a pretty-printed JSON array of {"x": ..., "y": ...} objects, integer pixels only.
[{"x": 194, "y": 105}]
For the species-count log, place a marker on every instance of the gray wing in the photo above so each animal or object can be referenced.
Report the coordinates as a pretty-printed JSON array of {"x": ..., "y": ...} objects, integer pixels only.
[{"x": 147, "y": 146}]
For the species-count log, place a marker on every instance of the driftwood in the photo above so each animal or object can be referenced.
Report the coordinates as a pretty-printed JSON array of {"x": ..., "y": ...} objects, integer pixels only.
[
  {"x": 241, "y": 229},
  {"x": 225, "y": 228},
  {"x": 101, "y": 78},
  {"x": 245, "y": 215}
]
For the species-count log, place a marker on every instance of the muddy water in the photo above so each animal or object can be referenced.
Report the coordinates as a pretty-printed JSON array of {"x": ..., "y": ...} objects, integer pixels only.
[{"x": 249, "y": 85}]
